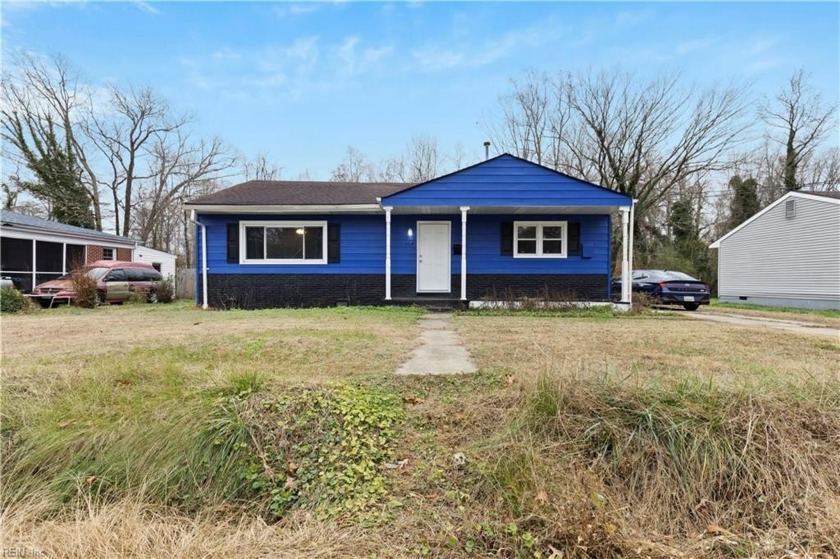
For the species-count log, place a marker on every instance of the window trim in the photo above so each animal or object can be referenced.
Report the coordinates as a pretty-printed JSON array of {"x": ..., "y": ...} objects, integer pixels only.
[
  {"x": 113, "y": 253},
  {"x": 539, "y": 225},
  {"x": 243, "y": 249}
]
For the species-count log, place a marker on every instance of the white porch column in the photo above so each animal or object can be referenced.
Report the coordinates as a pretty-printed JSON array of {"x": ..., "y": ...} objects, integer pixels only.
[
  {"x": 464, "y": 210},
  {"x": 625, "y": 259},
  {"x": 630, "y": 259},
  {"x": 387, "y": 252}
]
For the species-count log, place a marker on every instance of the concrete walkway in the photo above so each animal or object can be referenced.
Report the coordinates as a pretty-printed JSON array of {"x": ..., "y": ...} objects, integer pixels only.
[
  {"x": 440, "y": 351},
  {"x": 768, "y": 323}
]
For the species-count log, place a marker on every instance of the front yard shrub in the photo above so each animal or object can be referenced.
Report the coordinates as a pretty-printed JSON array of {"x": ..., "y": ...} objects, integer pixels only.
[
  {"x": 166, "y": 290},
  {"x": 138, "y": 296},
  {"x": 13, "y": 301},
  {"x": 84, "y": 288}
]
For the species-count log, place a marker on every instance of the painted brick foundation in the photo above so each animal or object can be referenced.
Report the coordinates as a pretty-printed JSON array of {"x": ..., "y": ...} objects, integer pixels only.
[
  {"x": 258, "y": 291},
  {"x": 577, "y": 287}
]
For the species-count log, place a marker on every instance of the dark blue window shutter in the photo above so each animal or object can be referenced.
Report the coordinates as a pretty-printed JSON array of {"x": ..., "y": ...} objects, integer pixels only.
[
  {"x": 233, "y": 243},
  {"x": 574, "y": 238},
  {"x": 506, "y": 235},
  {"x": 334, "y": 243}
]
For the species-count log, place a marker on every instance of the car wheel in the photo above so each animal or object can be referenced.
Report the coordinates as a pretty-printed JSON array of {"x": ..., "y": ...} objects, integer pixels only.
[
  {"x": 152, "y": 298},
  {"x": 691, "y": 306},
  {"x": 101, "y": 298}
]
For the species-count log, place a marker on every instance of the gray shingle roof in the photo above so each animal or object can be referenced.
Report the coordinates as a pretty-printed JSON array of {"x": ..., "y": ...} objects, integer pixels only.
[
  {"x": 14, "y": 219},
  {"x": 300, "y": 193}
]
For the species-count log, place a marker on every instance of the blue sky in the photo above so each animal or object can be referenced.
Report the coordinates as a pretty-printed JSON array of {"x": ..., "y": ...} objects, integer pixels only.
[{"x": 302, "y": 81}]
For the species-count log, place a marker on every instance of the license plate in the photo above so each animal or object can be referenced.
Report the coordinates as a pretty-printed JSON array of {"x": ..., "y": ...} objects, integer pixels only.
[{"x": 688, "y": 297}]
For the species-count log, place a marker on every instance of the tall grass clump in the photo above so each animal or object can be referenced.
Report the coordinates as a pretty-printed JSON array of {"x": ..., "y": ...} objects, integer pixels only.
[
  {"x": 599, "y": 467},
  {"x": 145, "y": 435},
  {"x": 115, "y": 434}
]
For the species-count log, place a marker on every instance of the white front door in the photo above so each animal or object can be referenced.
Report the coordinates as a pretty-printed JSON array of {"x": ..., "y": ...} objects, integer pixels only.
[{"x": 433, "y": 259}]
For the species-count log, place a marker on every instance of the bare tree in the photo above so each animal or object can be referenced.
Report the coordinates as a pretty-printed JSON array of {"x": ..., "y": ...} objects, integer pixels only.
[
  {"x": 46, "y": 92},
  {"x": 423, "y": 159},
  {"x": 175, "y": 165},
  {"x": 799, "y": 120},
  {"x": 458, "y": 157},
  {"x": 640, "y": 138},
  {"x": 533, "y": 121},
  {"x": 260, "y": 168},
  {"x": 354, "y": 168},
  {"x": 420, "y": 161},
  {"x": 138, "y": 117}
]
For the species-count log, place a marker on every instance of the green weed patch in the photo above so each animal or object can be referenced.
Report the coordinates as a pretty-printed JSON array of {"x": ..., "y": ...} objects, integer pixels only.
[{"x": 323, "y": 448}]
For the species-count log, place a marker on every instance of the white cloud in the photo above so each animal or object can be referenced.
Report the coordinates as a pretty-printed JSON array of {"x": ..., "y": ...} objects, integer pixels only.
[
  {"x": 26, "y": 5},
  {"x": 434, "y": 58},
  {"x": 631, "y": 19},
  {"x": 297, "y": 9},
  {"x": 293, "y": 69},
  {"x": 438, "y": 57},
  {"x": 760, "y": 44},
  {"x": 147, "y": 7}
]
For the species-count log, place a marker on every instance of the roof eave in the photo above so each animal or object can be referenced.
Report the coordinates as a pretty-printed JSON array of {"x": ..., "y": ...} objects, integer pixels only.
[
  {"x": 282, "y": 209},
  {"x": 115, "y": 240}
]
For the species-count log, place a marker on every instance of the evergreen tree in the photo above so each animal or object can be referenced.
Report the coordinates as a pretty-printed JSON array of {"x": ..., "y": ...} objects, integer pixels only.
[
  {"x": 744, "y": 203},
  {"x": 57, "y": 176},
  {"x": 689, "y": 253}
]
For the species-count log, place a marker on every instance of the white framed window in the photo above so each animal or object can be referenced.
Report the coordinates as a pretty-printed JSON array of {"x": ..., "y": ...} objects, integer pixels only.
[
  {"x": 283, "y": 242},
  {"x": 540, "y": 239},
  {"x": 109, "y": 253}
]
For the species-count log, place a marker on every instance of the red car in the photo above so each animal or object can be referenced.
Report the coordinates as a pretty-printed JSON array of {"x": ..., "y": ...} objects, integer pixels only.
[{"x": 115, "y": 281}]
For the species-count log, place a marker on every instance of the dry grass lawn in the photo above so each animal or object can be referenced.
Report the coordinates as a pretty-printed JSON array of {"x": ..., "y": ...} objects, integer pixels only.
[
  {"x": 574, "y": 435},
  {"x": 56, "y": 346},
  {"x": 645, "y": 348}
]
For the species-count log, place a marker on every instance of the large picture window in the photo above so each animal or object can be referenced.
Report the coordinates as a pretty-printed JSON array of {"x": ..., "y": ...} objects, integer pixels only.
[
  {"x": 283, "y": 242},
  {"x": 540, "y": 239}
]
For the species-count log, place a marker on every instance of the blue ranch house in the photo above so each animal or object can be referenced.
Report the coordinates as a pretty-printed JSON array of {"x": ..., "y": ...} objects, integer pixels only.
[{"x": 501, "y": 229}]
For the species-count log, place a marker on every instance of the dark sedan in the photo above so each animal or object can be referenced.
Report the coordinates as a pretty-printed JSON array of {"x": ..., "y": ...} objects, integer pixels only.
[{"x": 667, "y": 287}]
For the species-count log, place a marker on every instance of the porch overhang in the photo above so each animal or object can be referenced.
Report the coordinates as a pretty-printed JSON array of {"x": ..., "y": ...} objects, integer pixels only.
[{"x": 508, "y": 210}]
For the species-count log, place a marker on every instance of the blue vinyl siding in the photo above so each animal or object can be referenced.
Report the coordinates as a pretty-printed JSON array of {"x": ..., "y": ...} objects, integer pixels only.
[
  {"x": 507, "y": 181},
  {"x": 484, "y": 245},
  {"x": 363, "y": 245}
]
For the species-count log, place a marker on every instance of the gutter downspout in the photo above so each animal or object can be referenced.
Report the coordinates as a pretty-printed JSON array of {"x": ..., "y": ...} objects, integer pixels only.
[{"x": 204, "y": 304}]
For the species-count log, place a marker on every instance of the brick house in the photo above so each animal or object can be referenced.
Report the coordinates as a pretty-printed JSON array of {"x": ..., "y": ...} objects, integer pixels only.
[{"x": 35, "y": 250}]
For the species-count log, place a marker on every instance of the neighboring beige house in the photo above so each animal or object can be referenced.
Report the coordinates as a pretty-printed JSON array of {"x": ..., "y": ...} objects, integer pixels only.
[{"x": 786, "y": 255}]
